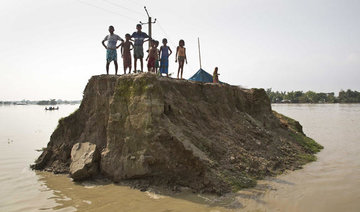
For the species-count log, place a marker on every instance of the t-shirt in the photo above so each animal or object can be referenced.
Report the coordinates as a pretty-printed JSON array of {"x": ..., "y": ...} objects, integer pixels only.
[
  {"x": 139, "y": 38},
  {"x": 112, "y": 40}
]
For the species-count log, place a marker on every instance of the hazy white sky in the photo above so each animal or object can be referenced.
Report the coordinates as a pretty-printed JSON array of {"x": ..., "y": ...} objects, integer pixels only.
[{"x": 49, "y": 49}]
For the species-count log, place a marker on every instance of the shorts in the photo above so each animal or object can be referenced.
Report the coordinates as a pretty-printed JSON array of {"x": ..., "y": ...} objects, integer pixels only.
[
  {"x": 151, "y": 62},
  {"x": 138, "y": 52},
  {"x": 181, "y": 58},
  {"x": 111, "y": 55}
]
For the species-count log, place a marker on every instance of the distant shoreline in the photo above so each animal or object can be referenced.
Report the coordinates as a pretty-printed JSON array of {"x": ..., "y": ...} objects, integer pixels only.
[
  {"x": 41, "y": 102},
  {"x": 311, "y": 97}
]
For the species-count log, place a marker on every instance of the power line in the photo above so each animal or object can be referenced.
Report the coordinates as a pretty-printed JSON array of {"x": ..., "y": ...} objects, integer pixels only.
[
  {"x": 92, "y": 5},
  {"x": 149, "y": 23},
  {"x": 166, "y": 34},
  {"x": 135, "y": 3},
  {"x": 120, "y": 6}
]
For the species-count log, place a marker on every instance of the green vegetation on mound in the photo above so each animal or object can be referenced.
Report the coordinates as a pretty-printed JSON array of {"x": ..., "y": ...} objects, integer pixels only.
[
  {"x": 240, "y": 181},
  {"x": 307, "y": 143},
  {"x": 309, "y": 146}
]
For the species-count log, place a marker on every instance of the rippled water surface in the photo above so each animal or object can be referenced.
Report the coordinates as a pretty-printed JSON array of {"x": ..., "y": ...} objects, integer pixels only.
[{"x": 332, "y": 183}]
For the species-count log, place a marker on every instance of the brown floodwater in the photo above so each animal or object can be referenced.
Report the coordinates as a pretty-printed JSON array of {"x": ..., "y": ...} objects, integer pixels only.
[{"x": 332, "y": 183}]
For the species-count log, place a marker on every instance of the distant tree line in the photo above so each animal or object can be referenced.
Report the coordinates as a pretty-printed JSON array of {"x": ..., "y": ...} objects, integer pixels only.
[
  {"x": 41, "y": 102},
  {"x": 47, "y": 102},
  {"x": 348, "y": 96}
]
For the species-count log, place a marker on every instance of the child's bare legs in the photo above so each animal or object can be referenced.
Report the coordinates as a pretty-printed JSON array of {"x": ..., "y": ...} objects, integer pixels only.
[
  {"x": 124, "y": 69},
  {"x": 129, "y": 69},
  {"x": 107, "y": 67},
  {"x": 179, "y": 70},
  {"x": 181, "y": 66},
  {"x": 135, "y": 60},
  {"x": 116, "y": 67},
  {"x": 141, "y": 63}
]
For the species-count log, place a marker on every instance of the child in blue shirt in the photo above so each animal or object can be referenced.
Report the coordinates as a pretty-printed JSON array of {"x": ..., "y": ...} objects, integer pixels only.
[{"x": 139, "y": 39}]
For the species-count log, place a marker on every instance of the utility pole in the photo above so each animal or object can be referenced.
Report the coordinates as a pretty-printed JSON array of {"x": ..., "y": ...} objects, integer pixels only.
[
  {"x": 199, "y": 52},
  {"x": 149, "y": 23}
]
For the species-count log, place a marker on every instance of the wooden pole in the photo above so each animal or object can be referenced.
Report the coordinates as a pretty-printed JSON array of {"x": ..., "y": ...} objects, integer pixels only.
[
  {"x": 150, "y": 31},
  {"x": 199, "y": 52},
  {"x": 150, "y": 26}
]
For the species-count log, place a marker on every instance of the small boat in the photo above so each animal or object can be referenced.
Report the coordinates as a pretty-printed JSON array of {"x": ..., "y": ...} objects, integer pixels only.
[{"x": 52, "y": 108}]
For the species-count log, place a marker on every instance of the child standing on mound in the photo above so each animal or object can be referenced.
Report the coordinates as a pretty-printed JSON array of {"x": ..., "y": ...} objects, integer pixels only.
[
  {"x": 111, "y": 47},
  {"x": 151, "y": 58},
  {"x": 157, "y": 62},
  {"x": 165, "y": 52},
  {"x": 126, "y": 47},
  {"x": 139, "y": 39},
  {"x": 181, "y": 57}
]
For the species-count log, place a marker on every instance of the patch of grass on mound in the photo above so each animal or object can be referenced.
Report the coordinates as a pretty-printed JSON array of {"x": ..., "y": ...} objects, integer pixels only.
[
  {"x": 307, "y": 143},
  {"x": 306, "y": 158},
  {"x": 239, "y": 181}
]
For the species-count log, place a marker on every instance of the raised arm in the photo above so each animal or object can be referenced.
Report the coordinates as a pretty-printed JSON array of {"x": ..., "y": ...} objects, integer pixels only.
[
  {"x": 103, "y": 43},
  {"x": 148, "y": 38},
  {"x": 149, "y": 53},
  {"x": 121, "y": 41},
  {"x": 122, "y": 50},
  {"x": 121, "y": 44},
  {"x": 170, "y": 51},
  {"x": 132, "y": 37}
]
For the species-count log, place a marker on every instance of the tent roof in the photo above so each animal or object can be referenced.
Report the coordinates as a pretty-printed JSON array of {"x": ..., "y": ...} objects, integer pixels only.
[{"x": 202, "y": 76}]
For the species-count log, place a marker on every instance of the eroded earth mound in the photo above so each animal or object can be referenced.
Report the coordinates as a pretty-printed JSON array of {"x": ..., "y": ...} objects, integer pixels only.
[{"x": 166, "y": 132}]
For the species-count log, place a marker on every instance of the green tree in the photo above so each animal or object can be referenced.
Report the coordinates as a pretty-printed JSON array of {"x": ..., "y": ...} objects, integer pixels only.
[{"x": 312, "y": 97}]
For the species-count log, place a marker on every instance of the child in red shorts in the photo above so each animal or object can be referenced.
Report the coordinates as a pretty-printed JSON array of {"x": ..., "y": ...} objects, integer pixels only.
[{"x": 152, "y": 56}]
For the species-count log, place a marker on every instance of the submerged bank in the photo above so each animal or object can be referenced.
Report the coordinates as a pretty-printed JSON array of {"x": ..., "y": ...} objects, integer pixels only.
[{"x": 147, "y": 130}]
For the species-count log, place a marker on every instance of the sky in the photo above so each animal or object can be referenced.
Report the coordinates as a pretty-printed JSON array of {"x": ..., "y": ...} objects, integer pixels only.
[{"x": 50, "y": 49}]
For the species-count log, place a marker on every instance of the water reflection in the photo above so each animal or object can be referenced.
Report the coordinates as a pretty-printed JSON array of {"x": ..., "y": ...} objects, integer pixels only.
[{"x": 105, "y": 196}]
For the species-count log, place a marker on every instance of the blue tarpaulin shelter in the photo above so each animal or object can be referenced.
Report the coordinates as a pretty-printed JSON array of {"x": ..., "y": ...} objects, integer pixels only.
[{"x": 202, "y": 76}]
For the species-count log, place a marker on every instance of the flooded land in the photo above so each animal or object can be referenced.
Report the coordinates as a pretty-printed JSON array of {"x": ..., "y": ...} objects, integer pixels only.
[{"x": 332, "y": 183}]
